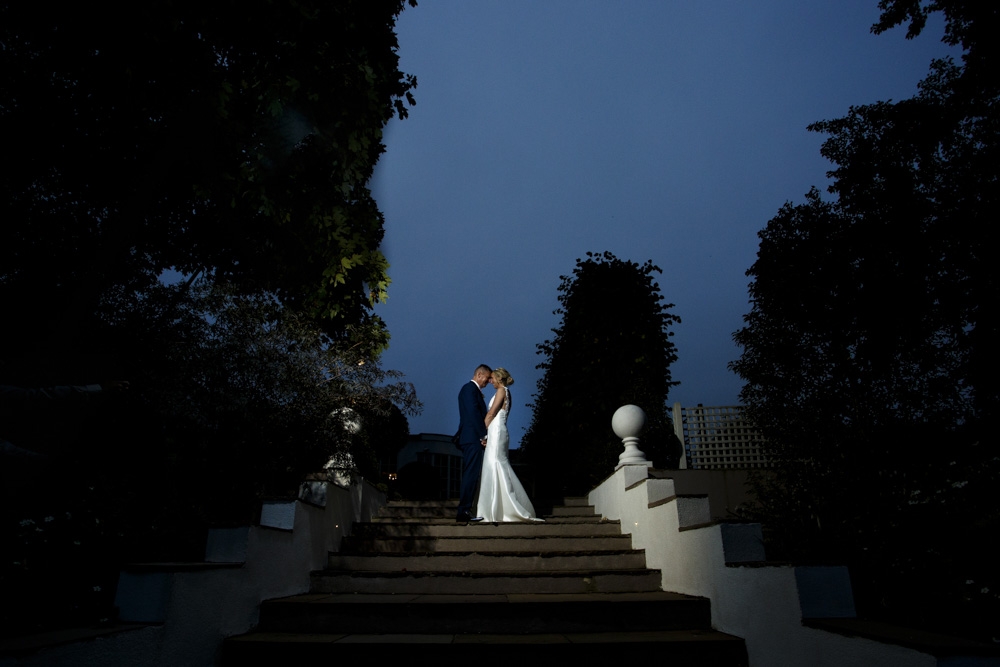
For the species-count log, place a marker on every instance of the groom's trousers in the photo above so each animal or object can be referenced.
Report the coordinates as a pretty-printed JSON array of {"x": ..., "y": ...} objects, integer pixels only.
[{"x": 472, "y": 468}]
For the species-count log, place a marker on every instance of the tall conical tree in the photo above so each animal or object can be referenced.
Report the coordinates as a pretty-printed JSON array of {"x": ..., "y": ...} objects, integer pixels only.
[{"x": 612, "y": 348}]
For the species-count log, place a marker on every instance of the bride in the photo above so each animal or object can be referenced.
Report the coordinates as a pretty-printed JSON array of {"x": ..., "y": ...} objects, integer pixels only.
[{"x": 501, "y": 496}]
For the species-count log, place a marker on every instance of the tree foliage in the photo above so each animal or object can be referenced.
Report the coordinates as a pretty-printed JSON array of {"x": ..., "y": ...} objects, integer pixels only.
[
  {"x": 236, "y": 399},
  {"x": 258, "y": 390},
  {"x": 230, "y": 143},
  {"x": 869, "y": 351},
  {"x": 229, "y": 138},
  {"x": 612, "y": 348}
]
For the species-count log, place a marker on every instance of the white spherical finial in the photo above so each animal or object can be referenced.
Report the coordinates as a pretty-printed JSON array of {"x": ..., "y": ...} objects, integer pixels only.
[
  {"x": 628, "y": 421},
  {"x": 627, "y": 424}
]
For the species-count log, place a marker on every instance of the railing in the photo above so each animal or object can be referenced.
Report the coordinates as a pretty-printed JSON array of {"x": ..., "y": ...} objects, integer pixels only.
[{"x": 717, "y": 437}]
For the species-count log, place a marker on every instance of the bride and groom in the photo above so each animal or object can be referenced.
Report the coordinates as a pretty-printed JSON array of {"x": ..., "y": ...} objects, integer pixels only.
[{"x": 482, "y": 436}]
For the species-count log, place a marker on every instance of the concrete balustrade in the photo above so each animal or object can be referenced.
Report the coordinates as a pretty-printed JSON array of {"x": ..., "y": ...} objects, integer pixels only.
[
  {"x": 187, "y": 609},
  {"x": 765, "y": 604},
  {"x": 677, "y": 519}
]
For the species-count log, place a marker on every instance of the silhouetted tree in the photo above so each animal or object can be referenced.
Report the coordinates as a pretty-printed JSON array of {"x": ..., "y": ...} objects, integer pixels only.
[
  {"x": 384, "y": 431},
  {"x": 612, "y": 348},
  {"x": 869, "y": 352},
  {"x": 261, "y": 392},
  {"x": 232, "y": 143},
  {"x": 237, "y": 398},
  {"x": 228, "y": 138}
]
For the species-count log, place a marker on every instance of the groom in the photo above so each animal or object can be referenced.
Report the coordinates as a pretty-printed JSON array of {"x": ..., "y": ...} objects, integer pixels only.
[{"x": 472, "y": 438}]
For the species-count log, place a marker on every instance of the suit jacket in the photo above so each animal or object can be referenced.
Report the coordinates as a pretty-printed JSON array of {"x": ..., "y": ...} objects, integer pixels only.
[{"x": 472, "y": 413}]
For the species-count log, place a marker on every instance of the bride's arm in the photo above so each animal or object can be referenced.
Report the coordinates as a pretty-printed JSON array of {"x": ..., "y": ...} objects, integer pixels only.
[{"x": 497, "y": 404}]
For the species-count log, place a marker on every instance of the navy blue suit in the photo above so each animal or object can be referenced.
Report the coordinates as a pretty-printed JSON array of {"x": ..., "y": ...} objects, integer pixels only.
[{"x": 471, "y": 430}]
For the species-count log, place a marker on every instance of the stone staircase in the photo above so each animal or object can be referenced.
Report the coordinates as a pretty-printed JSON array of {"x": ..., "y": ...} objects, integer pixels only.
[{"x": 413, "y": 580}]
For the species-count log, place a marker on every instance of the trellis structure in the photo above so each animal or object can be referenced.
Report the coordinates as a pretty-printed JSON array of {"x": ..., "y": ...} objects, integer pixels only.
[{"x": 717, "y": 437}]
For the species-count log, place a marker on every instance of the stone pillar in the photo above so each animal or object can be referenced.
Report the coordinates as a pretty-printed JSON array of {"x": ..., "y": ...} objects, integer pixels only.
[
  {"x": 627, "y": 424},
  {"x": 679, "y": 432}
]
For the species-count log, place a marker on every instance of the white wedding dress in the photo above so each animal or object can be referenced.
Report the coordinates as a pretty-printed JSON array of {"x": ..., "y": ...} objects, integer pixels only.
[{"x": 501, "y": 496}]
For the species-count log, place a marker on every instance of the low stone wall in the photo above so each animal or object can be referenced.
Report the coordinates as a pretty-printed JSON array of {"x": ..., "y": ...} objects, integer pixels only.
[
  {"x": 185, "y": 610},
  {"x": 724, "y": 561}
]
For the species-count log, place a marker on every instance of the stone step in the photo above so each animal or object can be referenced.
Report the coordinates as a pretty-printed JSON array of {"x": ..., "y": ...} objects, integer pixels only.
[
  {"x": 414, "y": 584},
  {"x": 521, "y": 561},
  {"x": 452, "y": 529},
  {"x": 677, "y": 648},
  {"x": 446, "y": 509},
  {"x": 453, "y": 503},
  {"x": 500, "y": 614},
  {"x": 486, "y": 583},
  {"x": 450, "y": 518},
  {"x": 581, "y": 518},
  {"x": 481, "y": 543},
  {"x": 574, "y": 510},
  {"x": 418, "y": 512}
]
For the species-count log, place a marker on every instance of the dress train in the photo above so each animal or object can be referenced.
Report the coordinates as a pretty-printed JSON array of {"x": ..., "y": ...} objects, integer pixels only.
[{"x": 501, "y": 495}]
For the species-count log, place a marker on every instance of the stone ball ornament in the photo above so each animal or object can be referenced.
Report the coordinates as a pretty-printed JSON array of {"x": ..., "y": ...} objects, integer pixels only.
[{"x": 627, "y": 423}]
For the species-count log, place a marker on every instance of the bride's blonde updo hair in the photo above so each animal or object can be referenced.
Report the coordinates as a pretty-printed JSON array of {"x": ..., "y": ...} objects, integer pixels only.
[{"x": 503, "y": 376}]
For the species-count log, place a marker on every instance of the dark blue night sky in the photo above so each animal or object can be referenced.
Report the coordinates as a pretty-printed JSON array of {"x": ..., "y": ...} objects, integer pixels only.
[{"x": 662, "y": 130}]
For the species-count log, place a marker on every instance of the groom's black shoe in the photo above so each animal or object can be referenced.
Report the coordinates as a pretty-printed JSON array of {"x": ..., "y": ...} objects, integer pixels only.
[{"x": 466, "y": 517}]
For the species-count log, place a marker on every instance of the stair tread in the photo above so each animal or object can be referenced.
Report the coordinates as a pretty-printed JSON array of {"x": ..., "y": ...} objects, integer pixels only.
[
  {"x": 453, "y": 529},
  {"x": 438, "y": 520},
  {"x": 488, "y": 538},
  {"x": 548, "y": 584},
  {"x": 434, "y": 520},
  {"x": 657, "y": 636},
  {"x": 483, "y": 598},
  {"x": 505, "y": 554},
  {"x": 451, "y": 544},
  {"x": 468, "y": 536},
  {"x": 485, "y": 573}
]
